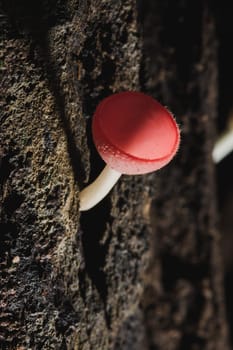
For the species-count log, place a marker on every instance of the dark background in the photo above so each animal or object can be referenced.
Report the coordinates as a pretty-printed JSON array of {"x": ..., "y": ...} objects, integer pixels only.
[{"x": 224, "y": 14}]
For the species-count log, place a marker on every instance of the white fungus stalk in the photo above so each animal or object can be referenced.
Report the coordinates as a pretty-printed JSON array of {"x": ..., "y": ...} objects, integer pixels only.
[
  {"x": 96, "y": 191},
  {"x": 223, "y": 146}
]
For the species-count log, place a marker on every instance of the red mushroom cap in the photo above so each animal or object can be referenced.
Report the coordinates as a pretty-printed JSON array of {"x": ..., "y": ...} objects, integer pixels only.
[{"x": 134, "y": 134}]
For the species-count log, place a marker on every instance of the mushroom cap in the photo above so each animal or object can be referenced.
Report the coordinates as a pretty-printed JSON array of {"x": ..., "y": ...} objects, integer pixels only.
[{"x": 134, "y": 134}]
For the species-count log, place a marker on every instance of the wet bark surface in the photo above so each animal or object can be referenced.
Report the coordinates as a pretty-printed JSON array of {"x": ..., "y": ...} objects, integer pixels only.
[{"x": 142, "y": 270}]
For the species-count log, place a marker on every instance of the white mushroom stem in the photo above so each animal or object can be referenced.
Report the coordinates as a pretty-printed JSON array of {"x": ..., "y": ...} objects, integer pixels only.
[
  {"x": 223, "y": 146},
  {"x": 95, "y": 192}
]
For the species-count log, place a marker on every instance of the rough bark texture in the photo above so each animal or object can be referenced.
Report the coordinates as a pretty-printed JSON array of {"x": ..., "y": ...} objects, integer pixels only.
[{"x": 142, "y": 270}]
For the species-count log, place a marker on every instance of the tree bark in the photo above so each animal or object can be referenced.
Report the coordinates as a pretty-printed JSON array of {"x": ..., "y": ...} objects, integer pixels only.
[
  {"x": 141, "y": 270},
  {"x": 183, "y": 301}
]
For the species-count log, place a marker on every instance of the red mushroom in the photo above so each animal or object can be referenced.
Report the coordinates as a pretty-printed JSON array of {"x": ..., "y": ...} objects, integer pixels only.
[{"x": 134, "y": 134}]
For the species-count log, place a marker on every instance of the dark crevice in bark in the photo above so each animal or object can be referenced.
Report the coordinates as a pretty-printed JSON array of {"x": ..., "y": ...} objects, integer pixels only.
[
  {"x": 95, "y": 250},
  {"x": 181, "y": 270},
  {"x": 12, "y": 202},
  {"x": 90, "y": 55},
  {"x": 34, "y": 18}
]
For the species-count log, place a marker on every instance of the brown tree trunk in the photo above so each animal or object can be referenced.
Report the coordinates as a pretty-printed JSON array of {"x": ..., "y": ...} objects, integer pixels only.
[{"x": 142, "y": 270}]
